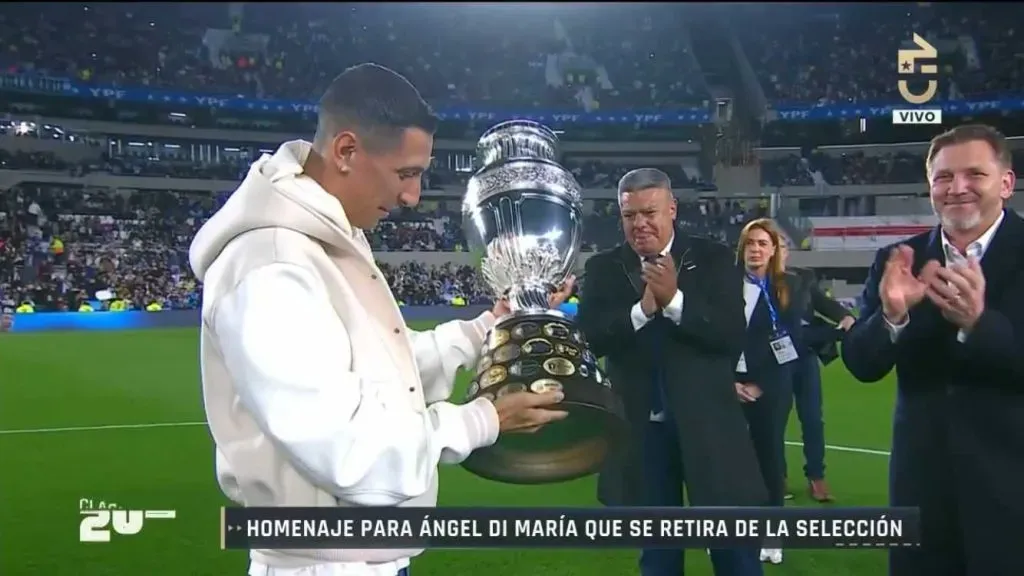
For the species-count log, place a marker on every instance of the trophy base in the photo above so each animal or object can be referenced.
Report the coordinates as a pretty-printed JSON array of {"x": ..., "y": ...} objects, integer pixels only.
[{"x": 536, "y": 352}]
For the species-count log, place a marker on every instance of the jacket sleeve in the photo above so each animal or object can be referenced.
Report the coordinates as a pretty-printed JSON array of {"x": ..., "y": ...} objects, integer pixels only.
[
  {"x": 996, "y": 341},
  {"x": 868, "y": 349},
  {"x": 604, "y": 322},
  {"x": 713, "y": 319},
  {"x": 442, "y": 351},
  {"x": 823, "y": 305},
  {"x": 292, "y": 369}
]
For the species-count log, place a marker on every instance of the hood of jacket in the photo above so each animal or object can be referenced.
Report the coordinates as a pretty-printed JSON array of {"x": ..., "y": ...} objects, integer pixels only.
[{"x": 274, "y": 194}]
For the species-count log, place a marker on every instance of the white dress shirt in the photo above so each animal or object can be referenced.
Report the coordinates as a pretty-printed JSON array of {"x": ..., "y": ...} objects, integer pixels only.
[
  {"x": 954, "y": 257},
  {"x": 673, "y": 311},
  {"x": 751, "y": 294}
]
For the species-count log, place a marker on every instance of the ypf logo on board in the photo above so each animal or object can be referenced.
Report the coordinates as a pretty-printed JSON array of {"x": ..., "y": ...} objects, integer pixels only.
[{"x": 907, "y": 64}]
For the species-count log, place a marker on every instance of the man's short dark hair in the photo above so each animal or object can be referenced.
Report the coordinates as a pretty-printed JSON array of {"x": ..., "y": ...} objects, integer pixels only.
[
  {"x": 971, "y": 133},
  {"x": 377, "y": 103},
  {"x": 643, "y": 179}
]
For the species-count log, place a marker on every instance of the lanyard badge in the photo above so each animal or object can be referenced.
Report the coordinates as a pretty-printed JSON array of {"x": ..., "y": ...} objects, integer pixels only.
[{"x": 781, "y": 343}]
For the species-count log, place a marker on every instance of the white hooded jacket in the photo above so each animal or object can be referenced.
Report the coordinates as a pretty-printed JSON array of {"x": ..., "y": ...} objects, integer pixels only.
[{"x": 315, "y": 391}]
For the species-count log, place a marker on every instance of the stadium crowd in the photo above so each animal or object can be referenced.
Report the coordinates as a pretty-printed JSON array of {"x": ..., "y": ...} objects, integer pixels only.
[
  {"x": 833, "y": 54},
  {"x": 847, "y": 53},
  {"x": 807, "y": 168},
  {"x": 163, "y": 160},
  {"x": 849, "y": 169},
  {"x": 61, "y": 245},
  {"x": 485, "y": 63}
]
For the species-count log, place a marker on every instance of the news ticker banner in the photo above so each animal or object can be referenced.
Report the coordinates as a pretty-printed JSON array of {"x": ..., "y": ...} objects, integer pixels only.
[{"x": 381, "y": 528}]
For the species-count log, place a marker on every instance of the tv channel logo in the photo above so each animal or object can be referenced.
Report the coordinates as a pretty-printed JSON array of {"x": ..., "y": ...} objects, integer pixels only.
[{"x": 908, "y": 65}]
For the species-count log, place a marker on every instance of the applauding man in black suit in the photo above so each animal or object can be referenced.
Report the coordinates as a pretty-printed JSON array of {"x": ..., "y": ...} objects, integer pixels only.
[
  {"x": 666, "y": 312},
  {"x": 945, "y": 308}
]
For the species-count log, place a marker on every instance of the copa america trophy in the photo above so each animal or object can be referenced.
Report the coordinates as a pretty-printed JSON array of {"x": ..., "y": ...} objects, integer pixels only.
[{"x": 523, "y": 217}]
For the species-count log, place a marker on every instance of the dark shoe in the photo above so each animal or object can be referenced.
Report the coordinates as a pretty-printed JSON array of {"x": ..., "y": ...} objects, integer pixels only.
[{"x": 819, "y": 491}]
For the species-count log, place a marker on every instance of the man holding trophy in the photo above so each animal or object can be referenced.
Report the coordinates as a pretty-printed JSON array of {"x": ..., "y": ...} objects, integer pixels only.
[{"x": 316, "y": 392}]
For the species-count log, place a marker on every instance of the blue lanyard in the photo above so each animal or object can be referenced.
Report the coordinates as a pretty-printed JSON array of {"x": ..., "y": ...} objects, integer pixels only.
[{"x": 765, "y": 286}]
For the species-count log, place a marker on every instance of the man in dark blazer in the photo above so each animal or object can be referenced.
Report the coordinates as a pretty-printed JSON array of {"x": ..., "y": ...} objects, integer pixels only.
[
  {"x": 817, "y": 345},
  {"x": 666, "y": 312},
  {"x": 945, "y": 308}
]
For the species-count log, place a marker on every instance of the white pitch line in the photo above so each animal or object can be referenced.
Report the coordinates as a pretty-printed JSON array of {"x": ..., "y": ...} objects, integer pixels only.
[
  {"x": 108, "y": 427},
  {"x": 851, "y": 449}
]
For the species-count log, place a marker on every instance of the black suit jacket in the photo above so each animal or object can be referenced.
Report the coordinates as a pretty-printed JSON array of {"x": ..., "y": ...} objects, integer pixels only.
[
  {"x": 810, "y": 298},
  {"x": 788, "y": 318},
  {"x": 720, "y": 466},
  {"x": 958, "y": 433},
  {"x": 819, "y": 336}
]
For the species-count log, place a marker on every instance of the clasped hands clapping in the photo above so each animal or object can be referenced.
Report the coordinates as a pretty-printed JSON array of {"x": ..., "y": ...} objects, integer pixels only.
[
  {"x": 528, "y": 411},
  {"x": 958, "y": 290},
  {"x": 660, "y": 279}
]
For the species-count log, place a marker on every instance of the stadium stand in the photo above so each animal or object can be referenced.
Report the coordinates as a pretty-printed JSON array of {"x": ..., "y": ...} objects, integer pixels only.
[{"x": 123, "y": 129}]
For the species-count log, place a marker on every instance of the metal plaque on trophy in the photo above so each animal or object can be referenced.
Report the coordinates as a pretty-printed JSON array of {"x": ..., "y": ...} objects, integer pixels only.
[{"x": 523, "y": 216}]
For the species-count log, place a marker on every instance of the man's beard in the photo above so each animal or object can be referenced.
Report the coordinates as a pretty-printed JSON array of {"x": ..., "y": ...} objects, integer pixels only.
[{"x": 961, "y": 223}]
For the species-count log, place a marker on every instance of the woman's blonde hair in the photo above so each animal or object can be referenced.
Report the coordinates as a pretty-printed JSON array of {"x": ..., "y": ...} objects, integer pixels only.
[{"x": 776, "y": 269}]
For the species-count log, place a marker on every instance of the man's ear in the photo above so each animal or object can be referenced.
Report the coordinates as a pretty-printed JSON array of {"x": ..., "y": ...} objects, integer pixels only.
[
  {"x": 343, "y": 149},
  {"x": 1009, "y": 184}
]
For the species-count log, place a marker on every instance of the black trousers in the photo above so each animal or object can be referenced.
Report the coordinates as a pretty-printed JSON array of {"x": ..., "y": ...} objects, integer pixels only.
[
  {"x": 664, "y": 478},
  {"x": 766, "y": 420},
  {"x": 808, "y": 396}
]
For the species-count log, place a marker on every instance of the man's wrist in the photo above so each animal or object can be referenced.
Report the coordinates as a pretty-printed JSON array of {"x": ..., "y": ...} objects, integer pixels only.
[
  {"x": 674, "y": 309},
  {"x": 895, "y": 319},
  {"x": 652, "y": 311},
  {"x": 968, "y": 327}
]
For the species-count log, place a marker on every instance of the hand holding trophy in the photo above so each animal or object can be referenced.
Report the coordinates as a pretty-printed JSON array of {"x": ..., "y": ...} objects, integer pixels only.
[
  {"x": 523, "y": 216},
  {"x": 555, "y": 299}
]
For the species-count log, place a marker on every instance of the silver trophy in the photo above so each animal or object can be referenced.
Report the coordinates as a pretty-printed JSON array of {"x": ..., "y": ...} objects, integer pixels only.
[{"x": 523, "y": 217}]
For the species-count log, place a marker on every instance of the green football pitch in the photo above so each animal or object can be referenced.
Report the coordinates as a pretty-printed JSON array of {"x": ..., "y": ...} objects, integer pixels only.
[{"x": 117, "y": 417}]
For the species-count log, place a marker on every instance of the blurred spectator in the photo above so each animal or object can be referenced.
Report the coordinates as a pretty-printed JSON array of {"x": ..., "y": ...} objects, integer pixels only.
[{"x": 416, "y": 284}]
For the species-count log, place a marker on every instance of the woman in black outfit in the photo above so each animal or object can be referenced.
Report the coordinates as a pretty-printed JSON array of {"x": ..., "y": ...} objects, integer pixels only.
[{"x": 764, "y": 373}]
